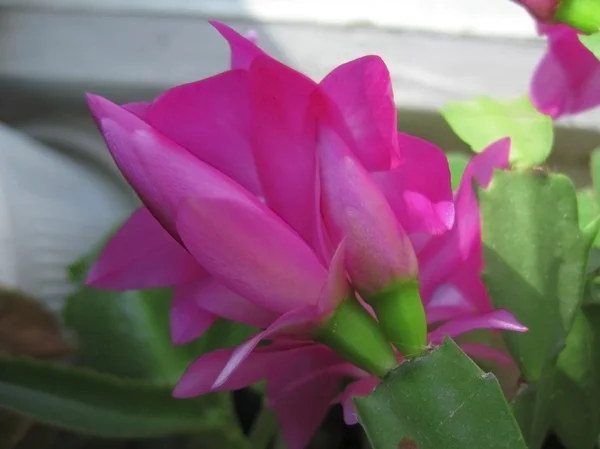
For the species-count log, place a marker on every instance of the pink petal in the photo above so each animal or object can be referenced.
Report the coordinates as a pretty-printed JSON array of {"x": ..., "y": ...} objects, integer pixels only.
[
  {"x": 448, "y": 302},
  {"x": 142, "y": 255},
  {"x": 161, "y": 172},
  {"x": 139, "y": 108},
  {"x": 362, "y": 387},
  {"x": 298, "y": 321},
  {"x": 188, "y": 321},
  {"x": 463, "y": 291},
  {"x": 378, "y": 252},
  {"x": 201, "y": 374},
  {"x": 243, "y": 49},
  {"x": 252, "y": 36},
  {"x": 362, "y": 90},
  {"x": 479, "y": 351},
  {"x": 283, "y": 144},
  {"x": 301, "y": 411},
  {"x": 211, "y": 119},
  {"x": 419, "y": 189},
  {"x": 496, "y": 319},
  {"x": 456, "y": 257},
  {"x": 542, "y": 10},
  {"x": 300, "y": 369},
  {"x": 567, "y": 79},
  {"x": 336, "y": 288},
  {"x": 214, "y": 298},
  {"x": 252, "y": 252}
]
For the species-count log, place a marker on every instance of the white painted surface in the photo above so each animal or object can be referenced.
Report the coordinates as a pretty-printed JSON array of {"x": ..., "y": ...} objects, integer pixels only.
[{"x": 481, "y": 17}]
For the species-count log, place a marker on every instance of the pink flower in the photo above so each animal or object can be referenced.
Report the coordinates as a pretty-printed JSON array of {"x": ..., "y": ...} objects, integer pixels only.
[
  {"x": 567, "y": 79},
  {"x": 227, "y": 168},
  {"x": 268, "y": 199},
  {"x": 303, "y": 379},
  {"x": 542, "y": 10}
]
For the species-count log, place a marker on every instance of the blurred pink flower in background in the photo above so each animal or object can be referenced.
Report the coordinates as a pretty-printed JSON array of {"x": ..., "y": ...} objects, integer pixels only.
[
  {"x": 542, "y": 10},
  {"x": 268, "y": 199},
  {"x": 567, "y": 79}
]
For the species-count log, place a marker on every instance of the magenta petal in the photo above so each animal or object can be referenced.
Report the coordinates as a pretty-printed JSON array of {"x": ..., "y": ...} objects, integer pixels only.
[
  {"x": 200, "y": 375},
  {"x": 213, "y": 297},
  {"x": 211, "y": 119},
  {"x": 161, "y": 172},
  {"x": 419, "y": 189},
  {"x": 301, "y": 411},
  {"x": 283, "y": 144},
  {"x": 298, "y": 321},
  {"x": 496, "y": 319},
  {"x": 188, "y": 321},
  {"x": 479, "y": 351},
  {"x": 362, "y": 90},
  {"x": 378, "y": 252},
  {"x": 139, "y": 108},
  {"x": 456, "y": 257},
  {"x": 336, "y": 288},
  {"x": 243, "y": 49},
  {"x": 252, "y": 252},
  {"x": 567, "y": 79},
  {"x": 362, "y": 387},
  {"x": 142, "y": 255}
]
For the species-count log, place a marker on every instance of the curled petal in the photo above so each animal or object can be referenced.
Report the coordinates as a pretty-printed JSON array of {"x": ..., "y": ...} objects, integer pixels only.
[
  {"x": 142, "y": 255},
  {"x": 243, "y": 49},
  {"x": 252, "y": 252},
  {"x": 200, "y": 376},
  {"x": 362, "y": 387},
  {"x": 296, "y": 322},
  {"x": 211, "y": 119},
  {"x": 362, "y": 90},
  {"x": 188, "y": 321},
  {"x": 496, "y": 319}
]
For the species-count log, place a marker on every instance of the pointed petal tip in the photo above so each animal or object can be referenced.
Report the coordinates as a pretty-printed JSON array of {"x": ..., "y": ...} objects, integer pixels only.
[{"x": 182, "y": 391}]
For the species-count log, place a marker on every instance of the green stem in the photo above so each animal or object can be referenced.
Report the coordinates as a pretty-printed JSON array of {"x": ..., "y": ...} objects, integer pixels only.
[
  {"x": 583, "y": 15},
  {"x": 402, "y": 317},
  {"x": 356, "y": 336},
  {"x": 264, "y": 429}
]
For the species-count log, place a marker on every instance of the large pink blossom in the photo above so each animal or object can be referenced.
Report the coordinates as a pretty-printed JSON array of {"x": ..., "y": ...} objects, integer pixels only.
[
  {"x": 268, "y": 198},
  {"x": 567, "y": 79}
]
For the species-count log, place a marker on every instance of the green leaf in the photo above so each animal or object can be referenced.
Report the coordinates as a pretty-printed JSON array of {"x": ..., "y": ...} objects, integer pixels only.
[
  {"x": 592, "y": 43},
  {"x": 127, "y": 333},
  {"x": 535, "y": 264},
  {"x": 441, "y": 400},
  {"x": 575, "y": 405},
  {"x": 534, "y": 249},
  {"x": 595, "y": 172},
  {"x": 587, "y": 210},
  {"x": 103, "y": 405},
  {"x": 458, "y": 163},
  {"x": 484, "y": 120}
]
